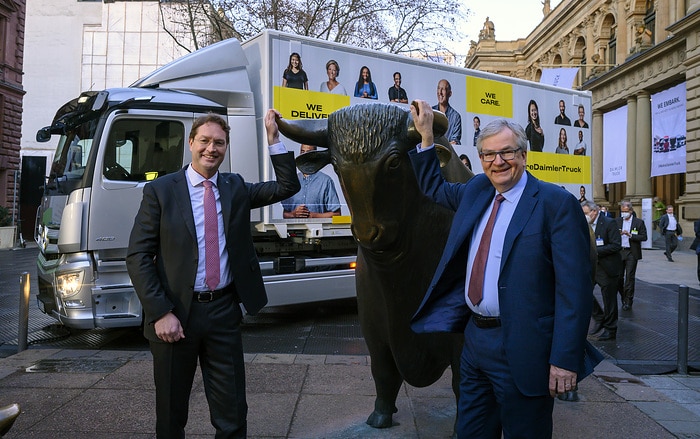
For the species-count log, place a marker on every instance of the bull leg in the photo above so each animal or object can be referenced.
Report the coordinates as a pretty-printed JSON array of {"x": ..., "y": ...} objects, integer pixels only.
[{"x": 387, "y": 382}]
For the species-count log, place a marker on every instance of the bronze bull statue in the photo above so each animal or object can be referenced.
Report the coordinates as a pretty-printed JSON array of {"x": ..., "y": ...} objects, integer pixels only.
[{"x": 400, "y": 232}]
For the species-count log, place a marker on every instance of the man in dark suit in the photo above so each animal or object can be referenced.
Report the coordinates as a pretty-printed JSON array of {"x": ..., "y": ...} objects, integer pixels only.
[
  {"x": 632, "y": 233},
  {"x": 191, "y": 260},
  {"x": 525, "y": 313},
  {"x": 608, "y": 270},
  {"x": 671, "y": 230}
]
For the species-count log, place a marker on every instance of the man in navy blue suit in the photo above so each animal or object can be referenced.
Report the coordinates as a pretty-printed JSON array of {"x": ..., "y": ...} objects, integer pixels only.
[{"x": 525, "y": 328}]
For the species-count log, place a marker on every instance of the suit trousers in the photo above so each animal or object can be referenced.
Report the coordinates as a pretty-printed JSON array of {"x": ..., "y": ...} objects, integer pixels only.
[
  {"x": 212, "y": 335},
  {"x": 489, "y": 399},
  {"x": 629, "y": 271},
  {"x": 607, "y": 314},
  {"x": 671, "y": 242}
]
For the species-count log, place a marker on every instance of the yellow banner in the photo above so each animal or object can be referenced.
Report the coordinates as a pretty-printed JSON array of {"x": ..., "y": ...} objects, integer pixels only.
[
  {"x": 486, "y": 96},
  {"x": 304, "y": 104},
  {"x": 559, "y": 168}
]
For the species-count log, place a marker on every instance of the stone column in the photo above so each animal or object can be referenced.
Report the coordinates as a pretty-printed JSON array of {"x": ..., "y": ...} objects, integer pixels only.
[
  {"x": 663, "y": 19},
  {"x": 691, "y": 6},
  {"x": 622, "y": 35},
  {"x": 597, "y": 156},
  {"x": 643, "y": 146},
  {"x": 631, "y": 187}
]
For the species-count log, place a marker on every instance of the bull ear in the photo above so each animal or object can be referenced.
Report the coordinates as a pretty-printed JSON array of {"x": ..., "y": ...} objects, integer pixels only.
[
  {"x": 308, "y": 131},
  {"x": 440, "y": 124},
  {"x": 311, "y": 162}
]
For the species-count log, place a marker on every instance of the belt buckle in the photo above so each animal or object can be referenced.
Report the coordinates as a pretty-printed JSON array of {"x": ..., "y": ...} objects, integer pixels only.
[{"x": 201, "y": 296}]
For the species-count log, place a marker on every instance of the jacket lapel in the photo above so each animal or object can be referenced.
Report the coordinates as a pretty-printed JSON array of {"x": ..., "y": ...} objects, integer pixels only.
[
  {"x": 182, "y": 195},
  {"x": 468, "y": 216},
  {"x": 523, "y": 211},
  {"x": 225, "y": 196}
]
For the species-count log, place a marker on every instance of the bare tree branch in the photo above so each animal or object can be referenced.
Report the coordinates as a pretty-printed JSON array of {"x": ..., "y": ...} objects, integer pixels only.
[{"x": 395, "y": 26}]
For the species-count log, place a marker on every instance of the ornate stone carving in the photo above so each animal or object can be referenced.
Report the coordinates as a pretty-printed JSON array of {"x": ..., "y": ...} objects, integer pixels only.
[
  {"x": 488, "y": 32},
  {"x": 472, "y": 48}
]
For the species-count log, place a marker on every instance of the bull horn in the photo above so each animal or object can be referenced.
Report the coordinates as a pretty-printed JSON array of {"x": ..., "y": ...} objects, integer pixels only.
[
  {"x": 312, "y": 161},
  {"x": 440, "y": 125},
  {"x": 307, "y": 131}
]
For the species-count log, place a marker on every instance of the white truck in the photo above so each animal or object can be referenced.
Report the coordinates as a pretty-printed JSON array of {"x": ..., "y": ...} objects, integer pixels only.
[{"x": 113, "y": 142}]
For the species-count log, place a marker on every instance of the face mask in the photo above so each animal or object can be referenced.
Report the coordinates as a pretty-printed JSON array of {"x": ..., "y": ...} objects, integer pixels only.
[
  {"x": 590, "y": 219},
  {"x": 626, "y": 215}
]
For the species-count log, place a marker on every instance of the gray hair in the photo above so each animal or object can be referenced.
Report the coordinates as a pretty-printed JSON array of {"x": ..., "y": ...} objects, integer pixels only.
[
  {"x": 590, "y": 205},
  {"x": 625, "y": 203},
  {"x": 496, "y": 127}
]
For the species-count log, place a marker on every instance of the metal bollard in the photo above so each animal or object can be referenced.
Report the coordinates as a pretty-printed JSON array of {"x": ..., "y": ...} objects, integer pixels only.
[
  {"x": 683, "y": 329},
  {"x": 23, "y": 312}
]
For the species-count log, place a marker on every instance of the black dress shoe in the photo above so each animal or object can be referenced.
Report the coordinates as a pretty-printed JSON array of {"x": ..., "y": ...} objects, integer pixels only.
[
  {"x": 607, "y": 335},
  {"x": 626, "y": 306}
]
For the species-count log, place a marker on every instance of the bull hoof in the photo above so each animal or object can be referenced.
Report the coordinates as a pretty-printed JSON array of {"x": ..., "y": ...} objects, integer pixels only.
[{"x": 380, "y": 420}]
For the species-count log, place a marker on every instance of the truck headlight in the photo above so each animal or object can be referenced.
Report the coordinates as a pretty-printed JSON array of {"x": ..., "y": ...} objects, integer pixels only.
[{"x": 69, "y": 284}]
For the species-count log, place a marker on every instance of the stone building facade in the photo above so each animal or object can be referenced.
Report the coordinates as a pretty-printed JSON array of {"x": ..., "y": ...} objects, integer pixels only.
[
  {"x": 12, "y": 15},
  {"x": 626, "y": 50}
]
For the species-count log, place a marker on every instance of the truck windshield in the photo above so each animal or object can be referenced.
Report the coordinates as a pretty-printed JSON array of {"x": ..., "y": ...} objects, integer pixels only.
[
  {"x": 71, "y": 157},
  {"x": 143, "y": 149}
]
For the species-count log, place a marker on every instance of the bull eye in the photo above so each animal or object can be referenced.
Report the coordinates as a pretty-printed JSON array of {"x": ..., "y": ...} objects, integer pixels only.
[{"x": 393, "y": 162}]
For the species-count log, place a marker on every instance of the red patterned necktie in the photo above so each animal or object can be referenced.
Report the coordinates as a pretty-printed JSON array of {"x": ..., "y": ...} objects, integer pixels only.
[
  {"x": 211, "y": 237},
  {"x": 476, "y": 281}
]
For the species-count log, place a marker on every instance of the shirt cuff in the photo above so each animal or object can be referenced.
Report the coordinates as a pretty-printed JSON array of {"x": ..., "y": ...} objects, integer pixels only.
[
  {"x": 424, "y": 149},
  {"x": 277, "y": 148}
]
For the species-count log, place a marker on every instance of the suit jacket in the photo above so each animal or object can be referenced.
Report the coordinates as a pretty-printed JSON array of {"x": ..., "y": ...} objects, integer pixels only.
[
  {"x": 545, "y": 276},
  {"x": 636, "y": 239},
  {"x": 663, "y": 223},
  {"x": 609, "y": 260},
  {"x": 163, "y": 255}
]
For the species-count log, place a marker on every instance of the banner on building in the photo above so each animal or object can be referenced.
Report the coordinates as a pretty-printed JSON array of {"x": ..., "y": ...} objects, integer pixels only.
[
  {"x": 559, "y": 77},
  {"x": 668, "y": 131},
  {"x": 615, "y": 146}
]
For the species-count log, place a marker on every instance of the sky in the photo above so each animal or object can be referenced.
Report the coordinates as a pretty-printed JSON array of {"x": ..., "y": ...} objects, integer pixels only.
[{"x": 512, "y": 19}]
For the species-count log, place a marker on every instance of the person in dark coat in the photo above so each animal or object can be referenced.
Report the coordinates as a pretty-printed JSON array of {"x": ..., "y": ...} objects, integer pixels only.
[{"x": 632, "y": 233}]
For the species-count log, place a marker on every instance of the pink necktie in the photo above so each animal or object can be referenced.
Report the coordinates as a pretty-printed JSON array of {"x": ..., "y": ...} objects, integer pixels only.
[
  {"x": 476, "y": 281},
  {"x": 211, "y": 237}
]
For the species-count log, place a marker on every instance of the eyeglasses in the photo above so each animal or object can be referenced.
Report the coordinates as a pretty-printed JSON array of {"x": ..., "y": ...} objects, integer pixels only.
[
  {"x": 507, "y": 155},
  {"x": 204, "y": 142}
]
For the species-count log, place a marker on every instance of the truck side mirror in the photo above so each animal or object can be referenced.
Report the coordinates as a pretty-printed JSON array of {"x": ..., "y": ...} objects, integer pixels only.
[{"x": 43, "y": 135}]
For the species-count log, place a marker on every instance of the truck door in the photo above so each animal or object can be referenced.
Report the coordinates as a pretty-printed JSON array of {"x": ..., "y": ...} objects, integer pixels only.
[{"x": 136, "y": 149}]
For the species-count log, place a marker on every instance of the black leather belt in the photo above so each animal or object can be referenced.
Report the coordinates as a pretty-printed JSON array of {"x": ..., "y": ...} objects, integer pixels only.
[
  {"x": 484, "y": 322},
  {"x": 210, "y": 296}
]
